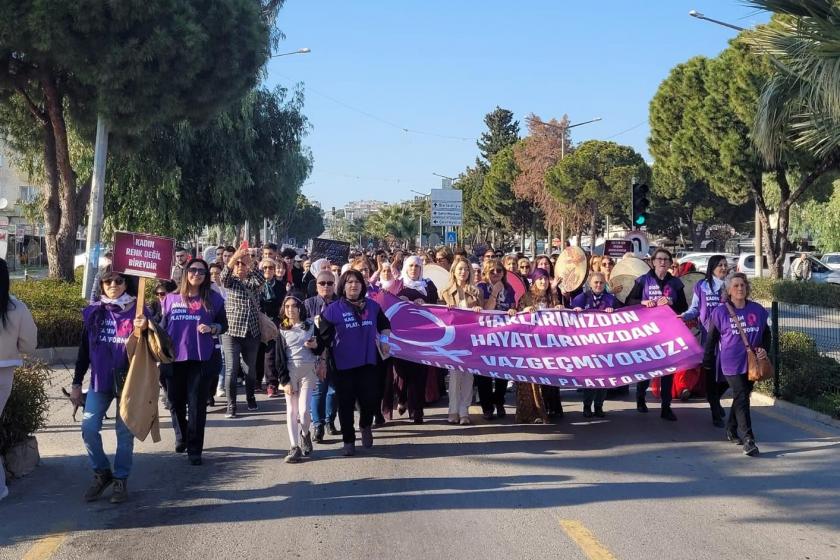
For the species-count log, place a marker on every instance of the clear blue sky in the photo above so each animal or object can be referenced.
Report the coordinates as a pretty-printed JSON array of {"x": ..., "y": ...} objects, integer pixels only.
[{"x": 438, "y": 66}]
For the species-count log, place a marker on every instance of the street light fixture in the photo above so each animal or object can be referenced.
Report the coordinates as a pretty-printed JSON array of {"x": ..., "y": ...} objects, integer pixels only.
[
  {"x": 698, "y": 15},
  {"x": 305, "y": 50}
]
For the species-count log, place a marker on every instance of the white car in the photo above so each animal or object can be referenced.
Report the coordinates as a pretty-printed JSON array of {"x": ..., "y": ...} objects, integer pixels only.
[
  {"x": 820, "y": 273},
  {"x": 831, "y": 260},
  {"x": 701, "y": 260},
  {"x": 81, "y": 260}
]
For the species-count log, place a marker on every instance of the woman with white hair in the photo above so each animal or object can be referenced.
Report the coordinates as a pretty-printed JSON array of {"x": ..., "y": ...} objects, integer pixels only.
[
  {"x": 315, "y": 268},
  {"x": 411, "y": 377}
]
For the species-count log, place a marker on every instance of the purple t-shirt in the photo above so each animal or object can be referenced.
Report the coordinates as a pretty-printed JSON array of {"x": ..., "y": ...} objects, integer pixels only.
[
  {"x": 709, "y": 301},
  {"x": 733, "y": 355},
  {"x": 182, "y": 319},
  {"x": 107, "y": 338},
  {"x": 588, "y": 300},
  {"x": 355, "y": 334},
  {"x": 506, "y": 299}
]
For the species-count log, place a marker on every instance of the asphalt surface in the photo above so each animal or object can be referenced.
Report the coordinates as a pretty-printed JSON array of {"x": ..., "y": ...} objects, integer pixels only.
[{"x": 628, "y": 486}]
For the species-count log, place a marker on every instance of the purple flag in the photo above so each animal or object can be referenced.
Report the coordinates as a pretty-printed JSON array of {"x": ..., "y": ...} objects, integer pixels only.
[{"x": 590, "y": 349}]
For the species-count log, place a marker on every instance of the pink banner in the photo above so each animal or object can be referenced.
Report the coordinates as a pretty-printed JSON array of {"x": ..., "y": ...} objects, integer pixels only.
[{"x": 590, "y": 349}]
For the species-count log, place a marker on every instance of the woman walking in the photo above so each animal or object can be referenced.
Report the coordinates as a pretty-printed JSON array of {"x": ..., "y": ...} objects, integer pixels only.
[
  {"x": 596, "y": 298},
  {"x": 728, "y": 326},
  {"x": 18, "y": 335},
  {"x": 351, "y": 328},
  {"x": 192, "y": 318},
  {"x": 291, "y": 360},
  {"x": 107, "y": 324},
  {"x": 461, "y": 293},
  {"x": 708, "y": 295}
]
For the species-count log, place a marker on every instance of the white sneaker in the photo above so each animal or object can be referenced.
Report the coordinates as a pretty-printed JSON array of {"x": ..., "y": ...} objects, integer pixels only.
[
  {"x": 5, "y": 491},
  {"x": 220, "y": 393}
]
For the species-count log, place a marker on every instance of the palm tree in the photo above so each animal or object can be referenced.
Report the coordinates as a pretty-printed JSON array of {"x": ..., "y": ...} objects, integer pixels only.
[{"x": 800, "y": 103}]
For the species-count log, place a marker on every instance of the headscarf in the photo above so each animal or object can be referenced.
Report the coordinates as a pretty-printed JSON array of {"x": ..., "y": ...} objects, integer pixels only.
[
  {"x": 318, "y": 266},
  {"x": 123, "y": 302},
  {"x": 539, "y": 273},
  {"x": 419, "y": 285}
]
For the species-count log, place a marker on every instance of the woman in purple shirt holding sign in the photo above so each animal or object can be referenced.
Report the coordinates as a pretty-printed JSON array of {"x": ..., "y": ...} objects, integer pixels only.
[
  {"x": 724, "y": 344},
  {"x": 192, "y": 317},
  {"x": 654, "y": 289},
  {"x": 351, "y": 328}
]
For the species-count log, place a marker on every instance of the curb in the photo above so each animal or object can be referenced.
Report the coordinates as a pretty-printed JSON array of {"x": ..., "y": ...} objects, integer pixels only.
[
  {"x": 60, "y": 355},
  {"x": 794, "y": 410}
]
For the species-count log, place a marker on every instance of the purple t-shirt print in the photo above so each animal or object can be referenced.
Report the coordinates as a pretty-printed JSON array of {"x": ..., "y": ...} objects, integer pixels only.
[
  {"x": 182, "y": 319},
  {"x": 733, "y": 355},
  {"x": 355, "y": 334}
]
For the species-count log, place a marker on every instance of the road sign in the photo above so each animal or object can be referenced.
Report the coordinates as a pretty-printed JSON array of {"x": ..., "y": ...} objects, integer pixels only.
[
  {"x": 447, "y": 207},
  {"x": 139, "y": 254},
  {"x": 616, "y": 248},
  {"x": 451, "y": 237},
  {"x": 640, "y": 243}
]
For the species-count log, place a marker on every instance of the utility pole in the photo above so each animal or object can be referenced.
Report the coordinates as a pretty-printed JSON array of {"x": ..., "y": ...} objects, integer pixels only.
[{"x": 97, "y": 201}]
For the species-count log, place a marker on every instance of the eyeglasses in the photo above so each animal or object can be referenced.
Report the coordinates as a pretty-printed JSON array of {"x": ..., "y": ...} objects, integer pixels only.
[
  {"x": 197, "y": 271},
  {"x": 497, "y": 270},
  {"x": 116, "y": 281},
  {"x": 239, "y": 263},
  {"x": 269, "y": 267},
  {"x": 607, "y": 263},
  {"x": 662, "y": 259},
  {"x": 160, "y": 294},
  {"x": 327, "y": 283}
]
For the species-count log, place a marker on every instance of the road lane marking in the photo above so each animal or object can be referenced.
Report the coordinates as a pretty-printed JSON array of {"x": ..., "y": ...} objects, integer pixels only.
[
  {"x": 44, "y": 548},
  {"x": 804, "y": 426},
  {"x": 586, "y": 541}
]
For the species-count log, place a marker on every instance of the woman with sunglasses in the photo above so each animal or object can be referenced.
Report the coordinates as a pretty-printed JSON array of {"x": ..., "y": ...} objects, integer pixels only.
[
  {"x": 607, "y": 265},
  {"x": 355, "y": 329},
  {"x": 324, "y": 406},
  {"x": 271, "y": 296},
  {"x": 523, "y": 267},
  {"x": 708, "y": 295},
  {"x": 596, "y": 298},
  {"x": 412, "y": 377},
  {"x": 107, "y": 324},
  {"x": 658, "y": 288},
  {"x": 192, "y": 317},
  {"x": 499, "y": 296}
]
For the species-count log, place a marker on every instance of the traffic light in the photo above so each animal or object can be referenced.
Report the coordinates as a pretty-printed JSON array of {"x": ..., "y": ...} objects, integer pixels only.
[{"x": 640, "y": 204}]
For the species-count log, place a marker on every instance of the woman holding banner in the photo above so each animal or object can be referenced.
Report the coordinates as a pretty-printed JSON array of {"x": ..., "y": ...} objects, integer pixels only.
[
  {"x": 729, "y": 324},
  {"x": 499, "y": 296},
  {"x": 412, "y": 377},
  {"x": 192, "y": 318},
  {"x": 355, "y": 330},
  {"x": 597, "y": 298},
  {"x": 107, "y": 324},
  {"x": 658, "y": 288},
  {"x": 537, "y": 403},
  {"x": 461, "y": 293}
]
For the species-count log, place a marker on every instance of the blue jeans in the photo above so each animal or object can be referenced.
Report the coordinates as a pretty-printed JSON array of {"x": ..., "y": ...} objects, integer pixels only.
[
  {"x": 323, "y": 405},
  {"x": 96, "y": 406}
]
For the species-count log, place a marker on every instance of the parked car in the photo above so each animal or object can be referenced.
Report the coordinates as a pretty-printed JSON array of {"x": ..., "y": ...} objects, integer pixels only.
[
  {"x": 81, "y": 260},
  {"x": 820, "y": 273},
  {"x": 831, "y": 260},
  {"x": 701, "y": 260}
]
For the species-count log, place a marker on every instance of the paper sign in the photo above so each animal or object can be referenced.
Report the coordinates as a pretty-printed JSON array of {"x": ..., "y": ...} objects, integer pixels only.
[{"x": 139, "y": 254}]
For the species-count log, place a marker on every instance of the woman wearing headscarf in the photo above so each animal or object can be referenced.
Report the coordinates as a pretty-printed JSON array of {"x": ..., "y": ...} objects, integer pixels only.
[
  {"x": 499, "y": 296},
  {"x": 658, "y": 288},
  {"x": 107, "y": 324},
  {"x": 536, "y": 403},
  {"x": 355, "y": 330},
  {"x": 316, "y": 268},
  {"x": 385, "y": 280},
  {"x": 411, "y": 377},
  {"x": 708, "y": 295},
  {"x": 596, "y": 298},
  {"x": 461, "y": 293}
]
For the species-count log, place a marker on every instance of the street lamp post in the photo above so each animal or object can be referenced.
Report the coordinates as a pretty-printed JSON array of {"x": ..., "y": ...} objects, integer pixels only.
[
  {"x": 759, "y": 258},
  {"x": 305, "y": 50},
  {"x": 420, "y": 235}
]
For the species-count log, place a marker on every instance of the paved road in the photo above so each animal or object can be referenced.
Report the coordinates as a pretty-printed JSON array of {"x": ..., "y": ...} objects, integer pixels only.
[{"x": 629, "y": 487}]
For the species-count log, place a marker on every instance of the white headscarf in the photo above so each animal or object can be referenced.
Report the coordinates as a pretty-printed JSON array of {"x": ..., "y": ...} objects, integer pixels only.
[
  {"x": 316, "y": 267},
  {"x": 419, "y": 285}
]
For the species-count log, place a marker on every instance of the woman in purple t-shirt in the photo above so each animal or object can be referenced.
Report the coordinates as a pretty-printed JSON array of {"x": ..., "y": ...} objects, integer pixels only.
[
  {"x": 724, "y": 342},
  {"x": 192, "y": 317},
  {"x": 351, "y": 328}
]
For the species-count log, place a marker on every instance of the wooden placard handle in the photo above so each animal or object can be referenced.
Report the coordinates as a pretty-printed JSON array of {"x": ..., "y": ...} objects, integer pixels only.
[{"x": 141, "y": 301}]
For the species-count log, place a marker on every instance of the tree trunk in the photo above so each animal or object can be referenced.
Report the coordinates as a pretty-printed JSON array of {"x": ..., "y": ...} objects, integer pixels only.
[{"x": 593, "y": 227}]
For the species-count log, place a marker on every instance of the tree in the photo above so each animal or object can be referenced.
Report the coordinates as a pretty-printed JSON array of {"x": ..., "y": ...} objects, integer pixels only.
[
  {"x": 248, "y": 163},
  {"x": 398, "y": 225},
  {"x": 135, "y": 63},
  {"x": 502, "y": 131},
  {"x": 304, "y": 221},
  {"x": 596, "y": 179}
]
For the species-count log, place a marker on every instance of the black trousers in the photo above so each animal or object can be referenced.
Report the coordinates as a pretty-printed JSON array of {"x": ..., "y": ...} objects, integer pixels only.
[
  {"x": 666, "y": 386},
  {"x": 491, "y": 392},
  {"x": 360, "y": 384},
  {"x": 714, "y": 391},
  {"x": 187, "y": 389},
  {"x": 412, "y": 385},
  {"x": 597, "y": 395},
  {"x": 739, "y": 421}
]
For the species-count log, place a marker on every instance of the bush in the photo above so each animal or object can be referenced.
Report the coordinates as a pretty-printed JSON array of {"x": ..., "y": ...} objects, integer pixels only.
[
  {"x": 805, "y": 376},
  {"x": 788, "y": 291},
  {"x": 28, "y": 405},
  {"x": 56, "y": 307}
]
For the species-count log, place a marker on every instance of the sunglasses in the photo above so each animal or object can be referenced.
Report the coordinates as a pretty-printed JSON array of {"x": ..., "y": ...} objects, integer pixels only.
[
  {"x": 327, "y": 283},
  {"x": 240, "y": 263},
  {"x": 497, "y": 270},
  {"x": 607, "y": 263},
  {"x": 269, "y": 268},
  {"x": 197, "y": 271},
  {"x": 160, "y": 294},
  {"x": 117, "y": 281},
  {"x": 523, "y": 266}
]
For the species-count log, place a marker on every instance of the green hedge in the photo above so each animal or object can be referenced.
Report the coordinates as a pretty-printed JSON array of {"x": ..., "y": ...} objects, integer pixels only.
[
  {"x": 806, "y": 377},
  {"x": 788, "y": 291},
  {"x": 28, "y": 405},
  {"x": 56, "y": 307}
]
